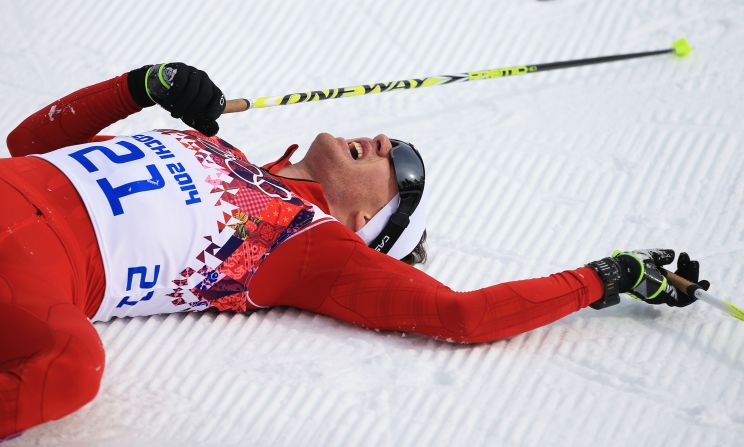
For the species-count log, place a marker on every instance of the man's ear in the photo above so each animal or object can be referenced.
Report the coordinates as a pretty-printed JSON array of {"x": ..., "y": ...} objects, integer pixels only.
[{"x": 358, "y": 220}]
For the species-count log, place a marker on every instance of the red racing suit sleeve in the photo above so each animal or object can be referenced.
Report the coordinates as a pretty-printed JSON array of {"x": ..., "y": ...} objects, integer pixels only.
[
  {"x": 329, "y": 270},
  {"x": 77, "y": 118}
]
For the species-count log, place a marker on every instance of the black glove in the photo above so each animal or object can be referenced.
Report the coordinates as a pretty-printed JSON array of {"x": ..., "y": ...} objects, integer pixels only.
[
  {"x": 690, "y": 270},
  {"x": 184, "y": 91},
  {"x": 640, "y": 273}
]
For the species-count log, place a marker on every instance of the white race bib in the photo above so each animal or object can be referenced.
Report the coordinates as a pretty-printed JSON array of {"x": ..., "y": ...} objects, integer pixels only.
[{"x": 182, "y": 221}]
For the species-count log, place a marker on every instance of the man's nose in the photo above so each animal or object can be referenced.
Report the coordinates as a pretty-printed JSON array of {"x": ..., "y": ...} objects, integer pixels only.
[{"x": 384, "y": 144}]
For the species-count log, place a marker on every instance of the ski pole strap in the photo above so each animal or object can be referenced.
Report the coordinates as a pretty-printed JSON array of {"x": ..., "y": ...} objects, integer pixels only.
[{"x": 680, "y": 48}]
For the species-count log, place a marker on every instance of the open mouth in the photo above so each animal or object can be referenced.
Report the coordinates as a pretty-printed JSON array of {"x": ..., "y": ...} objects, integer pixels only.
[{"x": 355, "y": 148}]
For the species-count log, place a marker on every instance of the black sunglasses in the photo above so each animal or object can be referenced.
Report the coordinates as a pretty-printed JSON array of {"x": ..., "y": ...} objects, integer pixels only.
[{"x": 410, "y": 177}]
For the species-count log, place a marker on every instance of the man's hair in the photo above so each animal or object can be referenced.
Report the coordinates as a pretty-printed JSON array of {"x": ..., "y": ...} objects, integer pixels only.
[{"x": 418, "y": 255}]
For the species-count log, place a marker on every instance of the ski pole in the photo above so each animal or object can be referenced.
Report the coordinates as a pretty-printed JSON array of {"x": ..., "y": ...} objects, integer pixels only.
[
  {"x": 680, "y": 48},
  {"x": 694, "y": 290}
]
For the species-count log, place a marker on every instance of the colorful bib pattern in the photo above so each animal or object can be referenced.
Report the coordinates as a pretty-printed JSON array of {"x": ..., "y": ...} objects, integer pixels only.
[
  {"x": 183, "y": 221},
  {"x": 259, "y": 214}
]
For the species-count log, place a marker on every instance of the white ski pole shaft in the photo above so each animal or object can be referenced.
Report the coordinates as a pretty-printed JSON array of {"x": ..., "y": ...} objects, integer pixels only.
[{"x": 694, "y": 290}]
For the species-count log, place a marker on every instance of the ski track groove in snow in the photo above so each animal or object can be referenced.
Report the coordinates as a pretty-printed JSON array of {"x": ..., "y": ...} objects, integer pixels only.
[{"x": 532, "y": 175}]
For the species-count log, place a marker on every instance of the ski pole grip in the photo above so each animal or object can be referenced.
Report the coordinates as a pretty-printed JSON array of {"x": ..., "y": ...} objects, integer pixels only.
[
  {"x": 236, "y": 105},
  {"x": 681, "y": 284}
]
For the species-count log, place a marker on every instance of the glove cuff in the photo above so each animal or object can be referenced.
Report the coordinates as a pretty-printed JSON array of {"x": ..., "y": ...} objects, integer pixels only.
[
  {"x": 609, "y": 272},
  {"x": 136, "y": 82}
]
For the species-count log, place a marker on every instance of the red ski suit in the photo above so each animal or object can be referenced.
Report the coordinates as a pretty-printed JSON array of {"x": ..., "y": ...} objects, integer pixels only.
[{"x": 52, "y": 278}]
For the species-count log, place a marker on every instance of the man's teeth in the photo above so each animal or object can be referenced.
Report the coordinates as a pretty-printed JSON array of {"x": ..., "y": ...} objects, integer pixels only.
[{"x": 356, "y": 150}]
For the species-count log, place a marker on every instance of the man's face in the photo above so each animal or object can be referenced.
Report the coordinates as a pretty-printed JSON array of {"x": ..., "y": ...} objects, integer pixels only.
[{"x": 356, "y": 174}]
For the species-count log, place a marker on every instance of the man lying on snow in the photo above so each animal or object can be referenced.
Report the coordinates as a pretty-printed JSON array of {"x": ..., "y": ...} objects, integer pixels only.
[{"x": 95, "y": 227}]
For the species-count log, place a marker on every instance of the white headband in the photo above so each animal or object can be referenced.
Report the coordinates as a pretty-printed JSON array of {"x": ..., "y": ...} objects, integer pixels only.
[{"x": 410, "y": 237}]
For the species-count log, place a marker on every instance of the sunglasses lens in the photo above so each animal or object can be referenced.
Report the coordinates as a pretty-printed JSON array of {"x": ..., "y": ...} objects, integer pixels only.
[{"x": 408, "y": 166}]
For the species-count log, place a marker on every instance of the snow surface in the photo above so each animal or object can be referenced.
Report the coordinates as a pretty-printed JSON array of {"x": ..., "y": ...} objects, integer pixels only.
[{"x": 531, "y": 175}]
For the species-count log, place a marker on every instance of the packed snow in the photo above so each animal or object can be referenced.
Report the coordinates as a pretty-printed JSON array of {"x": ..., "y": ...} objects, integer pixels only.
[{"x": 530, "y": 175}]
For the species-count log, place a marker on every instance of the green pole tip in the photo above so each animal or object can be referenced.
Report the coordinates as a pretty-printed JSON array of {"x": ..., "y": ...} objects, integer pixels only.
[
  {"x": 735, "y": 311},
  {"x": 682, "y": 47}
]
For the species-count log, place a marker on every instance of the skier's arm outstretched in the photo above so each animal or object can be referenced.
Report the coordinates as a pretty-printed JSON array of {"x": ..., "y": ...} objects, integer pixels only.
[{"x": 341, "y": 277}]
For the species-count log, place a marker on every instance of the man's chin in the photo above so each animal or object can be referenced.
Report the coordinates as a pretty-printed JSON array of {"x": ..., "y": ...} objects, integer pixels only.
[
  {"x": 323, "y": 136},
  {"x": 327, "y": 145}
]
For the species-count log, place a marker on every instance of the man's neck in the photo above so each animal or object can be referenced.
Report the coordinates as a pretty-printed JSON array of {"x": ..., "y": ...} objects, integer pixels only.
[{"x": 296, "y": 171}]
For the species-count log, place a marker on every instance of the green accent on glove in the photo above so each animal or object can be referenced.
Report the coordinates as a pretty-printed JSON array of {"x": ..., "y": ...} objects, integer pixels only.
[
  {"x": 147, "y": 90},
  {"x": 160, "y": 76},
  {"x": 617, "y": 253},
  {"x": 641, "y": 277},
  {"x": 662, "y": 286},
  {"x": 162, "y": 80}
]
